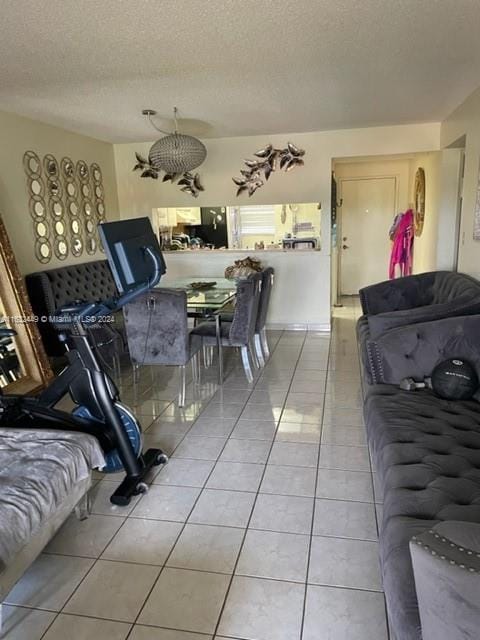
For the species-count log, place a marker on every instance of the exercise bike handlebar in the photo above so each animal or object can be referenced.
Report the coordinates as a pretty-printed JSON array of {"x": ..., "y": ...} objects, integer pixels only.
[{"x": 90, "y": 313}]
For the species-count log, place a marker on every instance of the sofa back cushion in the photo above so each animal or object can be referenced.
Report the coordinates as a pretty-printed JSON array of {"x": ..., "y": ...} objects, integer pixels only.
[
  {"x": 450, "y": 286},
  {"x": 463, "y": 305},
  {"x": 413, "y": 351}
]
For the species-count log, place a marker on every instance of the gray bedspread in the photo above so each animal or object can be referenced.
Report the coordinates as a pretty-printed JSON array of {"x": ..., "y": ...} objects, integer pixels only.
[{"x": 37, "y": 471}]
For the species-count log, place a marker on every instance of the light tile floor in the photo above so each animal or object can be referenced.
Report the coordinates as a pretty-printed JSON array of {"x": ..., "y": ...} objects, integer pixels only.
[{"x": 261, "y": 527}]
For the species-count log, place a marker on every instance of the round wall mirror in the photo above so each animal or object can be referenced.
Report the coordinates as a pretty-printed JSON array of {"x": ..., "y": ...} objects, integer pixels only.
[
  {"x": 68, "y": 168},
  {"x": 91, "y": 245},
  {"x": 77, "y": 246},
  {"x": 39, "y": 209},
  {"x": 82, "y": 170},
  {"x": 41, "y": 229},
  {"x": 57, "y": 209},
  {"x": 36, "y": 187},
  {"x": 51, "y": 166},
  {"x": 54, "y": 187},
  {"x": 43, "y": 251},
  {"x": 61, "y": 248}
]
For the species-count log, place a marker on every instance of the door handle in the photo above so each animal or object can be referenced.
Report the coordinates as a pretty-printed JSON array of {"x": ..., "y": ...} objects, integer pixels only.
[{"x": 344, "y": 246}]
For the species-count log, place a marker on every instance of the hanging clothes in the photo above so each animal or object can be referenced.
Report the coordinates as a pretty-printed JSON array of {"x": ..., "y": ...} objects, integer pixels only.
[{"x": 402, "y": 248}]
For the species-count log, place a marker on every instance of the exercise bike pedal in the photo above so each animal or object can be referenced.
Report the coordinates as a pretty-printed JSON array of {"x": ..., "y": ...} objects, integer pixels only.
[{"x": 135, "y": 485}]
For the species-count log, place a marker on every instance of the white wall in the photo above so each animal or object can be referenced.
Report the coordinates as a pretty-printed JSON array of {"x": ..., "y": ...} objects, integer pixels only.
[
  {"x": 299, "y": 291},
  {"x": 465, "y": 120},
  {"x": 450, "y": 172},
  {"x": 18, "y": 135},
  {"x": 311, "y": 183}
]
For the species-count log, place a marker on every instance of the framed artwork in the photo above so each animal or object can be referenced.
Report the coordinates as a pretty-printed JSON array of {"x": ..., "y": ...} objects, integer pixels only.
[{"x": 419, "y": 199}]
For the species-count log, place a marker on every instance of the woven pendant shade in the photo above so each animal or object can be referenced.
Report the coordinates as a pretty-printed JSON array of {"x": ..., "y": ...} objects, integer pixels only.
[{"x": 177, "y": 153}]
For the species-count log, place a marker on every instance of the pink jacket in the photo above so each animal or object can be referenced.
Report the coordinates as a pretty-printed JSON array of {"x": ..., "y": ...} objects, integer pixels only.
[{"x": 402, "y": 248}]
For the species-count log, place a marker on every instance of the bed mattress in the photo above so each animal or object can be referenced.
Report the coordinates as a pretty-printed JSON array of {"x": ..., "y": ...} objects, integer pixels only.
[{"x": 38, "y": 470}]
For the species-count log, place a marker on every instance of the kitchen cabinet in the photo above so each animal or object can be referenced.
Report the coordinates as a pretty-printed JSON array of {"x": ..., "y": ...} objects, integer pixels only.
[{"x": 188, "y": 215}]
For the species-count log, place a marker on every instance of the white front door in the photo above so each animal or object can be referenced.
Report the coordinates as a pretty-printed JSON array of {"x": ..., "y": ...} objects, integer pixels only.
[{"x": 367, "y": 212}]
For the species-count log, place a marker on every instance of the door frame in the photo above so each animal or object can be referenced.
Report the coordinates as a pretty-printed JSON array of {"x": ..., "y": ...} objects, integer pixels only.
[{"x": 340, "y": 181}]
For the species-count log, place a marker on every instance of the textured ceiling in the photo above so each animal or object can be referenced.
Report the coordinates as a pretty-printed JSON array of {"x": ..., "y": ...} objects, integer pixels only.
[{"x": 236, "y": 67}]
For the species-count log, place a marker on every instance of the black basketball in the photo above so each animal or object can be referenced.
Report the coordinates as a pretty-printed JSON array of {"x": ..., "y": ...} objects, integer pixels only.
[{"x": 454, "y": 379}]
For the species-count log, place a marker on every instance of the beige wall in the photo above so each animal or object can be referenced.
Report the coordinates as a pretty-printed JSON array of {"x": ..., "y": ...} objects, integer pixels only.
[
  {"x": 311, "y": 183},
  {"x": 18, "y": 135},
  {"x": 398, "y": 168},
  {"x": 465, "y": 120},
  {"x": 404, "y": 169}
]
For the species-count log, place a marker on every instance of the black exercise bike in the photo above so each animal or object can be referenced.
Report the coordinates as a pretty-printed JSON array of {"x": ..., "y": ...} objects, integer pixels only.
[{"x": 98, "y": 410}]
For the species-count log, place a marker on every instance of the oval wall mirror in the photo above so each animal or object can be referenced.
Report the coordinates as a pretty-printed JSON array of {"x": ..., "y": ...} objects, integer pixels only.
[
  {"x": 71, "y": 188},
  {"x": 41, "y": 229},
  {"x": 36, "y": 187},
  {"x": 75, "y": 226},
  {"x": 73, "y": 208},
  {"x": 39, "y": 209},
  {"x": 77, "y": 246}
]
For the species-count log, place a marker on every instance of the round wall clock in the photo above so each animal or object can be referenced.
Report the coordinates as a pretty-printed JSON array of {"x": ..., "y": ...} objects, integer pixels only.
[{"x": 419, "y": 199}]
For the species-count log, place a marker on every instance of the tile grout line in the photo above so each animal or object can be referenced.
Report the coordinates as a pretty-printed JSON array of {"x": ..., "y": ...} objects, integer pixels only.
[
  {"x": 189, "y": 514},
  {"x": 225, "y": 599},
  {"x": 96, "y": 560},
  {"x": 302, "y": 622}
]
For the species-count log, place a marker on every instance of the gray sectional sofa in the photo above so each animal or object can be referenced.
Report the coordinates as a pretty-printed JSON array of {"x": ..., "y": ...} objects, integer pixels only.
[
  {"x": 407, "y": 302},
  {"x": 426, "y": 452}
]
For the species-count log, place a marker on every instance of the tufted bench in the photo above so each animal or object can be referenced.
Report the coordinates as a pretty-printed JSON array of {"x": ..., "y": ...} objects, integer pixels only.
[
  {"x": 423, "y": 298},
  {"x": 52, "y": 289},
  {"x": 426, "y": 452}
]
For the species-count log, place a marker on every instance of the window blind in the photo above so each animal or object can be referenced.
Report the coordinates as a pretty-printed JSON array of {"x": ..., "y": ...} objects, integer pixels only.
[{"x": 257, "y": 220}]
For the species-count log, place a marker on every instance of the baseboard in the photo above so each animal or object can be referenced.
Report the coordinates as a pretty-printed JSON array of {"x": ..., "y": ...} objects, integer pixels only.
[{"x": 323, "y": 327}]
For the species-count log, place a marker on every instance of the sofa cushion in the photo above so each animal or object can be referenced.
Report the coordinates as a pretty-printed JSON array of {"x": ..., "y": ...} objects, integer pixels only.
[
  {"x": 383, "y": 322},
  {"x": 414, "y": 350},
  {"x": 426, "y": 452}
]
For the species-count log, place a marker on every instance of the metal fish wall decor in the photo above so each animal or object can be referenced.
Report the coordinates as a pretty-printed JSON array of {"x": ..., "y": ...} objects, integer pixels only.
[
  {"x": 188, "y": 182},
  {"x": 269, "y": 159}
]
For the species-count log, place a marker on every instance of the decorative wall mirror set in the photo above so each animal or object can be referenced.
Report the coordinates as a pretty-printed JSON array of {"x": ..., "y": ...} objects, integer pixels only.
[{"x": 66, "y": 204}]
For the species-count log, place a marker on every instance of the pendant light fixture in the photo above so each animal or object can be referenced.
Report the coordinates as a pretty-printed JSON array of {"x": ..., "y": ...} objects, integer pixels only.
[{"x": 176, "y": 154}]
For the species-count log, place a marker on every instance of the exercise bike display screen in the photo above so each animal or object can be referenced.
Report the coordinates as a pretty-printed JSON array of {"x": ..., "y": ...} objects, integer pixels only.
[{"x": 125, "y": 243}]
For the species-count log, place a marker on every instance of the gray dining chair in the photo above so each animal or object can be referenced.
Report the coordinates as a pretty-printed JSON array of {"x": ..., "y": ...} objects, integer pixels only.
[
  {"x": 261, "y": 344},
  {"x": 240, "y": 331},
  {"x": 157, "y": 334}
]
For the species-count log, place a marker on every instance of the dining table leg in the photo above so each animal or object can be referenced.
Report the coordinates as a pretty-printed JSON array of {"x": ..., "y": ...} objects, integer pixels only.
[{"x": 218, "y": 331}]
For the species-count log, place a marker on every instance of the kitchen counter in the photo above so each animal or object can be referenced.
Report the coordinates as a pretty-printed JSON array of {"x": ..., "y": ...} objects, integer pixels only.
[{"x": 301, "y": 291}]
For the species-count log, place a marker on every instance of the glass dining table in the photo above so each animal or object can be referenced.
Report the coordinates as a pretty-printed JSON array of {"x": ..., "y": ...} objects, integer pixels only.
[
  {"x": 202, "y": 303},
  {"x": 205, "y": 303}
]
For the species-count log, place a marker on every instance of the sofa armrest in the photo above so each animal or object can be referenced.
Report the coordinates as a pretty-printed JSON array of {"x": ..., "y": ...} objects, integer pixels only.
[
  {"x": 414, "y": 350},
  {"x": 397, "y": 295},
  {"x": 446, "y": 567}
]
